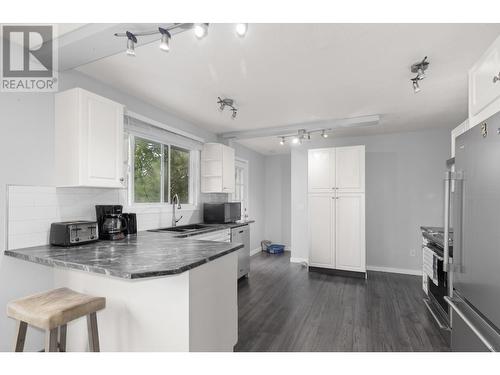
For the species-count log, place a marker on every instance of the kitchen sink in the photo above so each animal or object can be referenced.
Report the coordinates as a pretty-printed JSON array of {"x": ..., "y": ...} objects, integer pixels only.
[{"x": 183, "y": 228}]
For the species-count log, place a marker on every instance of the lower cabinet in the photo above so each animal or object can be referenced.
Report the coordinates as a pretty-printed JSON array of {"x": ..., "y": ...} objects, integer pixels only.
[{"x": 337, "y": 231}]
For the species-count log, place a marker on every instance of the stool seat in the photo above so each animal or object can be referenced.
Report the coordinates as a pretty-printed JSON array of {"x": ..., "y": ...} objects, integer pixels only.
[{"x": 49, "y": 310}]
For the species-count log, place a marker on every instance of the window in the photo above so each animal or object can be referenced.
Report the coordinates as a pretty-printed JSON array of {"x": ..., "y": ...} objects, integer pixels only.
[
  {"x": 160, "y": 171},
  {"x": 241, "y": 186}
]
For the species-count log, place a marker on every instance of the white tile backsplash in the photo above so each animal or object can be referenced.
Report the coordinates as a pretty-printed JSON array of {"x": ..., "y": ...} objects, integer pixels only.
[{"x": 31, "y": 210}]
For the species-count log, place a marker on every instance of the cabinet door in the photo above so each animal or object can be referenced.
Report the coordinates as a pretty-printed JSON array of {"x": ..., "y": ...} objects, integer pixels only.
[
  {"x": 350, "y": 169},
  {"x": 484, "y": 89},
  {"x": 350, "y": 232},
  {"x": 228, "y": 170},
  {"x": 321, "y": 230},
  {"x": 321, "y": 170},
  {"x": 102, "y": 135}
]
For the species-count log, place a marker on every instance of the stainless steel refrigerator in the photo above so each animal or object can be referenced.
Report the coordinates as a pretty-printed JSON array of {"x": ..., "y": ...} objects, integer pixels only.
[{"x": 475, "y": 301}]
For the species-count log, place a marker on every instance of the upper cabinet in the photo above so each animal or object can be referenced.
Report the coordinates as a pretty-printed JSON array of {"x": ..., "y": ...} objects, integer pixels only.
[
  {"x": 484, "y": 85},
  {"x": 217, "y": 168},
  {"x": 340, "y": 169},
  {"x": 88, "y": 140}
]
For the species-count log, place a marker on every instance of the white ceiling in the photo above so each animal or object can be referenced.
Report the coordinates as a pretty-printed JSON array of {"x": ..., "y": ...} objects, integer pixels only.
[{"x": 282, "y": 74}]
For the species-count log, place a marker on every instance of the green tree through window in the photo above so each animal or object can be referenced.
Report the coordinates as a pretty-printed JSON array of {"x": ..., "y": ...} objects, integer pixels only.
[{"x": 155, "y": 167}]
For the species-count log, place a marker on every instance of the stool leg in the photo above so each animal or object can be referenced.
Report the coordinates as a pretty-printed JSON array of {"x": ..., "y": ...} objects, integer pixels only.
[
  {"x": 62, "y": 338},
  {"x": 92, "y": 332},
  {"x": 21, "y": 335},
  {"x": 51, "y": 340}
]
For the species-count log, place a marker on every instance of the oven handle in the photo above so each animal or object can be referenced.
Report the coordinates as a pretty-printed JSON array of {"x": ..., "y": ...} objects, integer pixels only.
[{"x": 481, "y": 337}]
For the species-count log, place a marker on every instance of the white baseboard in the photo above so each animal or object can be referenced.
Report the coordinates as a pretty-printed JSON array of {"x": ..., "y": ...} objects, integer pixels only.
[
  {"x": 255, "y": 251},
  {"x": 395, "y": 270},
  {"x": 299, "y": 260}
]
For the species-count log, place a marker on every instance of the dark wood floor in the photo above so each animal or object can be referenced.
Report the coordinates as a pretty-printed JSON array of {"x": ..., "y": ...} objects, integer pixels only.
[{"x": 283, "y": 307}]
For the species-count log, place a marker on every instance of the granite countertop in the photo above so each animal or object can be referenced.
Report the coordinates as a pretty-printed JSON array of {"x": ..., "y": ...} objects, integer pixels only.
[{"x": 147, "y": 254}]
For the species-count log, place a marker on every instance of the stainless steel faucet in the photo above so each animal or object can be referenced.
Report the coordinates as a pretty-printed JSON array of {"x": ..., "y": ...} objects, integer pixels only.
[{"x": 175, "y": 202}]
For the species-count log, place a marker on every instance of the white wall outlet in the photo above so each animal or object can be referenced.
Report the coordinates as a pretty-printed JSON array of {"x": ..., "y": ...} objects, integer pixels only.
[{"x": 412, "y": 252}]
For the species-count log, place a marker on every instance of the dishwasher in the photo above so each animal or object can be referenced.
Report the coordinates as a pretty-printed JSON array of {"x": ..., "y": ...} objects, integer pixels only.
[{"x": 242, "y": 235}]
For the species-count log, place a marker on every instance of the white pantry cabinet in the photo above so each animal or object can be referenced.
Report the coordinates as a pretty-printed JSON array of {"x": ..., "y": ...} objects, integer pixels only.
[
  {"x": 339, "y": 169},
  {"x": 336, "y": 206},
  {"x": 217, "y": 168},
  {"x": 484, "y": 85},
  {"x": 88, "y": 140}
]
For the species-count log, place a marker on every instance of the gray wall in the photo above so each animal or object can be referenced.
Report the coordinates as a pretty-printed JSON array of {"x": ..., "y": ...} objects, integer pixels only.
[
  {"x": 404, "y": 190},
  {"x": 278, "y": 199},
  {"x": 27, "y": 157}
]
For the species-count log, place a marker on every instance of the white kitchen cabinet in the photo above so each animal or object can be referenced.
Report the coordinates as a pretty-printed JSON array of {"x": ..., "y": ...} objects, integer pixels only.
[
  {"x": 350, "y": 232},
  {"x": 460, "y": 129},
  {"x": 336, "y": 168},
  {"x": 336, "y": 212},
  {"x": 350, "y": 169},
  {"x": 321, "y": 233},
  {"x": 88, "y": 140},
  {"x": 484, "y": 85},
  {"x": 321, "y": 166},
  {"x": 217, "y": 168}
]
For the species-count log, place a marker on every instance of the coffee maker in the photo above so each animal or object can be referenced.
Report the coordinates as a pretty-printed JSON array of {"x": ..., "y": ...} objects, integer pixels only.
[{"x": 110, "y": 222}]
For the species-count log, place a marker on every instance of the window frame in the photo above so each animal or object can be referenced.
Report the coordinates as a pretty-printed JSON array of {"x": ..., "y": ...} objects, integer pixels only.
[{"x": 164, "y": 205}]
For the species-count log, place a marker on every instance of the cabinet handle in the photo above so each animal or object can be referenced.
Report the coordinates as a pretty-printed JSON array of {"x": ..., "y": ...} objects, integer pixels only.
[
  {"x": 496, "y": 78},
  {"x": 122, "y": 179}
]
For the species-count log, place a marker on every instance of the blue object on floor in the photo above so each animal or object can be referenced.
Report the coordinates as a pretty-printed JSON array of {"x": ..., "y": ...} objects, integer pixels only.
[{"x": 275, "y": 248}]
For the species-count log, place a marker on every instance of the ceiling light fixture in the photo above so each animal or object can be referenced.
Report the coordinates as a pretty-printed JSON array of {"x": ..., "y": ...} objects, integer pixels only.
[
  {"x": 420, "y": 69},
  {"x": 241, "y": 29},
  {"x": 165, "y": 39},
  {"x": 131, "y": 41},
  {"x": 302, "y": 135},
  {"x": 227, "y": 102},
  {"x": 200, "y": 30}
]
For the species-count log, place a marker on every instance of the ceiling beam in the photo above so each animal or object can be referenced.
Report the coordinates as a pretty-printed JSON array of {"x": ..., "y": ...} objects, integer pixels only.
[{"x": 308, "y": 126}]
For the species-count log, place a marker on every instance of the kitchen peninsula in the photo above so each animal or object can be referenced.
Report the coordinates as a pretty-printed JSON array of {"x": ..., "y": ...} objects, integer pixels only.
[{"x": 163, "y": 293}]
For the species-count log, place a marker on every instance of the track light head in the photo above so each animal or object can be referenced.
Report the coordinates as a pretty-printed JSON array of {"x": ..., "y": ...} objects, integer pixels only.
[
  {"x": 235, "y": 112},
  {"x": 282, "y": 141},
  {"x": 131, "y": 41},
  {"x": 241, "y": 29},
  {"x": 200, "y": 30},
  {"x": 324, "y": 135},
  {"x": 165, "y": 39},
  {"x": 416, "y": 87}
]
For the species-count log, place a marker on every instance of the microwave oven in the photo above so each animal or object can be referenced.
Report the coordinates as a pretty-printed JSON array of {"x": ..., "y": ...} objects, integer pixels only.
[{"x": 221, "y": 213}]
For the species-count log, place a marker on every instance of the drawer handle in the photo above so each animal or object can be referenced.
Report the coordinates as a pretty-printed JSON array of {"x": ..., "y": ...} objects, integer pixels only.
[{"x": 496, "y": 78}]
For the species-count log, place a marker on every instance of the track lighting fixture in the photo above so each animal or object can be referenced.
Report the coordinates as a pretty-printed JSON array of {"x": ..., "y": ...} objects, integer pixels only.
[
  {"x": 165, "y": 39},
  {"x": 241, "y": 29},
  {"x": 420, "y": 69},
  {"x": 131, "y": 41},
  {"x": 302, "y": 135},
  {"x": 227, "y": 102},
  {"x": 200, "y": 30}
]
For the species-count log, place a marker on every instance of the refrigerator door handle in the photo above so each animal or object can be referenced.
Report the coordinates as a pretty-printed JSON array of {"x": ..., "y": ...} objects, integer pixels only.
[
  {"x": 446, "y": 240},
  {"x": 467, "y": 321}
]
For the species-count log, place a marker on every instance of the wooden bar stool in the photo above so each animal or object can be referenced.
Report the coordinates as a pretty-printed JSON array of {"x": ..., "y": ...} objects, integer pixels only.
[{"x": 51, "y": 311}]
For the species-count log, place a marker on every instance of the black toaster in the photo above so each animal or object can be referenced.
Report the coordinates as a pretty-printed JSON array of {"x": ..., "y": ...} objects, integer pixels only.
[{"x": 72, "y": 233}]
